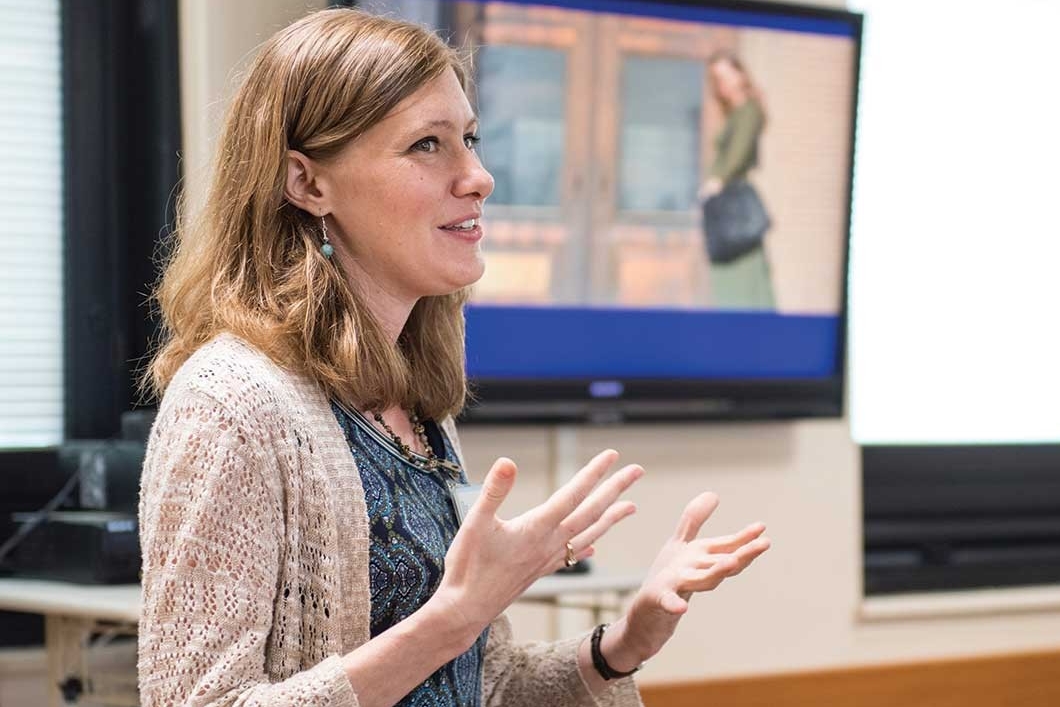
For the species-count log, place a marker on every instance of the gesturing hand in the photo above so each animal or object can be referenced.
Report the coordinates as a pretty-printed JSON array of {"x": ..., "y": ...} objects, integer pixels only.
[
  {"x": 685, "y": 565},
  {"x": 492, "y": 561}
]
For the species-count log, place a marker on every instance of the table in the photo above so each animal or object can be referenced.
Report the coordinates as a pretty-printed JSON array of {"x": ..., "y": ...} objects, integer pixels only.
[{"x": 74, "y": 613}]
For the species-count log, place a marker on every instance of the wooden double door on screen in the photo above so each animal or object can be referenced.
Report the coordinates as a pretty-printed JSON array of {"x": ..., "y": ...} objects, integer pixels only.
[{"x": 597, "y": 132}]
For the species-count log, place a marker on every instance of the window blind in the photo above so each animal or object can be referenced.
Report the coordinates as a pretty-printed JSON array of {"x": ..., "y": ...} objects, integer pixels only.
[{"x": 31, "y": 223}]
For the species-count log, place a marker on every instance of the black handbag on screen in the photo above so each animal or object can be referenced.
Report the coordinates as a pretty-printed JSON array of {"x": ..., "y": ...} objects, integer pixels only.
[{"x": 734, "y": 222}]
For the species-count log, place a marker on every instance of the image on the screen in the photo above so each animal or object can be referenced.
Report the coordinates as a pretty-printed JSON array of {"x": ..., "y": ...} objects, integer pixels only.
[{"x": 651, "y": 162}]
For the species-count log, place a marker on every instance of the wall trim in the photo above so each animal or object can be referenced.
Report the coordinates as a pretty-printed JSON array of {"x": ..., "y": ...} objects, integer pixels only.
[{"x": 971, "y": 602}]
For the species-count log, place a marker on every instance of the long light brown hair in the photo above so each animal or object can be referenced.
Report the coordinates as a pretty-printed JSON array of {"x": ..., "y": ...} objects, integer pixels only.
[
  {"x": 754, "y": 93},
  {"x": 250, "y": 263}
]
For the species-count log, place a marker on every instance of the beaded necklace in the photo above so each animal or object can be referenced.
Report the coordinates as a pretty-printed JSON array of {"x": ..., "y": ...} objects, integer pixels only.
[{"x": 433, "y": 462}]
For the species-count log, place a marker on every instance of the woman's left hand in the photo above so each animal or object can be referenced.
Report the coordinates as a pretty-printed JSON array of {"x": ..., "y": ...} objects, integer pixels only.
[{"x": 684, "y": 566}]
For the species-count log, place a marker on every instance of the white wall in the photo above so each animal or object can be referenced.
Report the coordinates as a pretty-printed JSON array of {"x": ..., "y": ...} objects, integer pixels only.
[
  {"x": 216, "y": 41},
  {"x": 799, "y": 607}
]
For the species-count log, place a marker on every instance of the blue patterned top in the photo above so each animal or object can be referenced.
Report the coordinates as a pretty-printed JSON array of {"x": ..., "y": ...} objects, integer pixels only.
[{"x": 411, "y": 523}]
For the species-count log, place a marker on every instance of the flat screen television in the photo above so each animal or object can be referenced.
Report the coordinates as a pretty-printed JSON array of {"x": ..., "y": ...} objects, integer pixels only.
[{"x": 603, "y": 123}]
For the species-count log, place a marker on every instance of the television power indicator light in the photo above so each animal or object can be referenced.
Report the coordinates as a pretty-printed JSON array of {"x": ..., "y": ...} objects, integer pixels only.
[{"x": 606, "y": 389}]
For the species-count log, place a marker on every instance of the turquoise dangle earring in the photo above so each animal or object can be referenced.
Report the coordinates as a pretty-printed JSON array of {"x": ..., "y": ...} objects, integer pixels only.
[{"x": 326, "y": 248}]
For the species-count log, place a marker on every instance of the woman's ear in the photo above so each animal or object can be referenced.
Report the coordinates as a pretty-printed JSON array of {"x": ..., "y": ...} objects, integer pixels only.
[{"x": 301, "y": 187}]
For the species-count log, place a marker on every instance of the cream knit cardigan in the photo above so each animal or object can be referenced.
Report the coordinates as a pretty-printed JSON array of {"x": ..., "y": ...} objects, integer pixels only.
[{"x": 254, "y": 534}]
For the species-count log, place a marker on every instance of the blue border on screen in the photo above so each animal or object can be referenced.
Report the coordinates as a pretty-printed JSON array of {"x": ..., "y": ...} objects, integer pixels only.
[
  {"x": 581, "y": 342},
  {"x": 713, "y": 15}
]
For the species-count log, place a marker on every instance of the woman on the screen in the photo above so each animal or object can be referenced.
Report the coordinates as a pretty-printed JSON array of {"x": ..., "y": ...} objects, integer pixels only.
[
  {"x": 743, "y": 282},
  {"x": 304, "y": 537}
]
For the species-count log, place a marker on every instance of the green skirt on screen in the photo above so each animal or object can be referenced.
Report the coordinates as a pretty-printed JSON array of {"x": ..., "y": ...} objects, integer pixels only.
[{"x": 745, "y": 283}]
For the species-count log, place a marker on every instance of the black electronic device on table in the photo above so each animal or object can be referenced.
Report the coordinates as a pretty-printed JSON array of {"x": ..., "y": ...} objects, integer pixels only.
[
  {"x": 88, "y": 531},
  {"x": 89, "y": 547}
]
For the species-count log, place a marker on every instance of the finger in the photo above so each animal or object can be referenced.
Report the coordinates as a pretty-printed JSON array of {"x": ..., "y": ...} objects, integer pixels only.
[
  {"x": 713, "y": 569},
  {"x": 704, "y": 580},
  {"x": 671, "y": 603},
  {"x": 695, "y": 581},
  {"x": 730, "y": 543},
  {"x": 617, "y": 512},
  {"x": 706, "y": 559},
  {"x": 600, "y": 500},
  {"x": 563, "y": 502},
  {"x": 748, "y": 554},
  {"x": 695, "y": 515},
  {"x": 495, "y": 488}
]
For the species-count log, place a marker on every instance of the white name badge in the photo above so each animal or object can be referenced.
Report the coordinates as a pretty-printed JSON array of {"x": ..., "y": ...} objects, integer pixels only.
[{"x": 463, "y": 496}]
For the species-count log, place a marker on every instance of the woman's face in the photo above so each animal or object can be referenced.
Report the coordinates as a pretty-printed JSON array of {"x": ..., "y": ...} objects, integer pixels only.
[
  {"x": 408, "y": 194},
  {"x": 729, "y": 82}
]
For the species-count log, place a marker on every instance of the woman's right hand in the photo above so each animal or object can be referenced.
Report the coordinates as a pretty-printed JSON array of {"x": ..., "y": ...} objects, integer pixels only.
[
  {"x": 492, "y": 561},
  {"x": 710, "y": 188}
]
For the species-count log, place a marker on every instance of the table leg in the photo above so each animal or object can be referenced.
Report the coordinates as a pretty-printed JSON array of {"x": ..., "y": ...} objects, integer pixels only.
[
  {"x": 63, "y": 641},
  {"x": 53, "y": 627}
]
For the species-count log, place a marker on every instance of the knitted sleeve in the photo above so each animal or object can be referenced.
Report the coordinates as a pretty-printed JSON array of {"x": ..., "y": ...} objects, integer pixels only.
[
  {"x": 542, "y": 673},
  {"x": 211, "y": 525}
]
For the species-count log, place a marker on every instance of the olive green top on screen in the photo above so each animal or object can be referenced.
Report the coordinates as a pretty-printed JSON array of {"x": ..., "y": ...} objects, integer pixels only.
[{"x": 737, "y": 144}]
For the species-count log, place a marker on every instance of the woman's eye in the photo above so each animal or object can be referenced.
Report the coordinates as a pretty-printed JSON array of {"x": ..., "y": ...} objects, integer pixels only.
[
  {"x": 471, "y": 140},
  {"x": 427, "y": 144}
]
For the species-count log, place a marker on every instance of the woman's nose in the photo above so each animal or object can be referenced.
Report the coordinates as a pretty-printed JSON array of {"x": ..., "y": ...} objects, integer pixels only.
[{"x": 475, "y": 179}]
